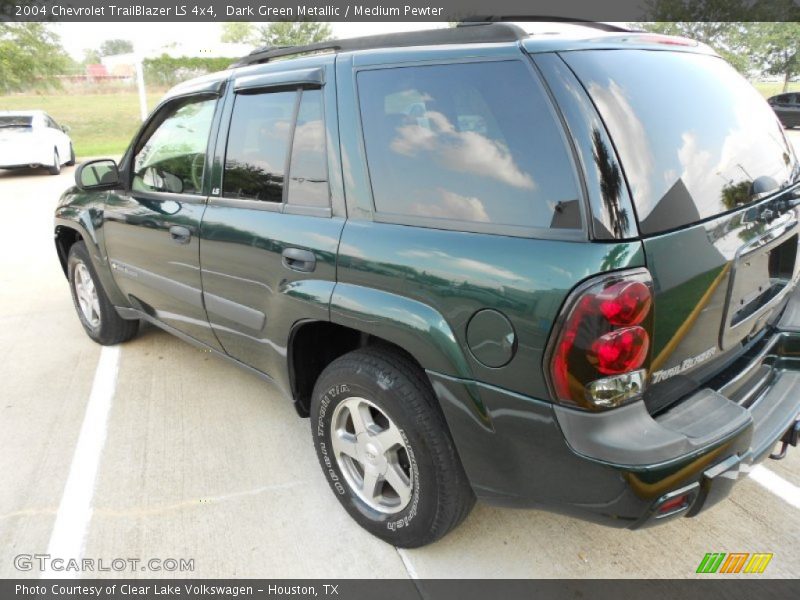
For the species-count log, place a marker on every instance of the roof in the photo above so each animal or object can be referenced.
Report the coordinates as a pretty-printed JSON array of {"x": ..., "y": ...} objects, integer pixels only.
[{"x": 473, "y": 35}]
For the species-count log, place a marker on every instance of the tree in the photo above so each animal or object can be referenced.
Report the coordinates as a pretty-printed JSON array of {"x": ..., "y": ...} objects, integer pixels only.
[
  {"x": 91, "y": 56},
  {"x": 238, "y": 33},
  {"x": 776, "y": 49},
  {"x": 31, "y": 55},
  {"x": 286, "y": 33},
  {"x": 112, "y": 47}
]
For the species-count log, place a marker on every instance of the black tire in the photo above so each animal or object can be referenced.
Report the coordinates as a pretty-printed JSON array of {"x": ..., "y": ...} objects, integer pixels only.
[
  {"x": 56, "y": 168},
  {"x": 110, "y": 328},
  {"x": 441, "y": 496},
  {"x": 71, "y": 161}
]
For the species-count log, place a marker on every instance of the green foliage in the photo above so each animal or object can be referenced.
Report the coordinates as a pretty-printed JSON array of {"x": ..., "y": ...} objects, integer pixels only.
[
  {"x": 753, "y": 35},
  {"x": 776, "y": 49},
  {"x": 287, "y": 33},
  {"x": 30, "y": 57},
  {"x": 167, "y": 71},
  {"x": 240, "y": 32},
  {"x": 112, "y": 47},
  {"x": 91, "y": 57}
]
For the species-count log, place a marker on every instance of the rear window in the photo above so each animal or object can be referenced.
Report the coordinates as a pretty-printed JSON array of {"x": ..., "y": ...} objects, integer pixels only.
[
  {"x": 471, "y": 143},
  {"x": 15, "y": 121},
  {"x": 692, "y": 134}
]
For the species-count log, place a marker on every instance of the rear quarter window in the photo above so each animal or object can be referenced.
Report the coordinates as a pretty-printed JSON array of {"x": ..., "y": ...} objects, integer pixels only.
[{"x": 473, "y": 143}]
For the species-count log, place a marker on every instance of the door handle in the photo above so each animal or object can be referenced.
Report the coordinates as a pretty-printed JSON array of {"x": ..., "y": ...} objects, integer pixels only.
[
  {"x": 180, "y": 234},
  {"x": 298, "y": 259}
]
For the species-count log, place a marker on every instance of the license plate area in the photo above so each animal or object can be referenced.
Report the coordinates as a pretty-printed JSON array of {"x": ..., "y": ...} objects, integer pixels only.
[{"x": 762, "y": 273}]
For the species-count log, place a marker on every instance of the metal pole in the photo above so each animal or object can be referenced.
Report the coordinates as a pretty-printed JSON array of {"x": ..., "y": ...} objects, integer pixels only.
[{"x": 140, "y": 85}]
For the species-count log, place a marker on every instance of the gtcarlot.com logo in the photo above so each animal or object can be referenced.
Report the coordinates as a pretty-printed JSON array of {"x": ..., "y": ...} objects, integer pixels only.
[
  {"x": 735, "y": 562},
  {"x": 47, "y": 563}
]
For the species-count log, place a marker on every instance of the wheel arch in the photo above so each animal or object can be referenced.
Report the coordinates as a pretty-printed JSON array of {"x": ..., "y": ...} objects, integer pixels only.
[
  {"x": 362, "y": 317},
  {"x": 65, "y": 237}
]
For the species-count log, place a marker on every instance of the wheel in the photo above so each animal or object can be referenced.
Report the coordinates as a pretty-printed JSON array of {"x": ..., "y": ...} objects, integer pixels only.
[
  {"x": 95, "y": 311},
  {"x": 71, "y": 161},
  {"x": 383, "y": 444},
  {"x": 56, "y": 168}
]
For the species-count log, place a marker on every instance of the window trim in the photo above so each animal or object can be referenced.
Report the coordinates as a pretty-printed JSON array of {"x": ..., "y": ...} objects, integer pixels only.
[
  {"x": 525, "y": 231},
  {"x": 283, "y": 206}
]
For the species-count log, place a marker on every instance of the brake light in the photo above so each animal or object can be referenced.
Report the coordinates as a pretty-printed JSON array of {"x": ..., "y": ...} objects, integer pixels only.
[
  {"x": 668, "y": 40},
  {"x": 600, "y": 357}
]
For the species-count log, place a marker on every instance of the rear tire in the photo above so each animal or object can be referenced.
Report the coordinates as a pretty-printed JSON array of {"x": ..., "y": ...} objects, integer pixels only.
[
  {"x": 56, "y": 168},
  {"x": 95, "y": 311},
  {"x": 384, "y": 446}
]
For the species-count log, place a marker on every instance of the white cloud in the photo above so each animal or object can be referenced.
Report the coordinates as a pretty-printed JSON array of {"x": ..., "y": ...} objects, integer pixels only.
[
  {"x": 452, "y": 206},
  {"x": 462, "y": 151}
]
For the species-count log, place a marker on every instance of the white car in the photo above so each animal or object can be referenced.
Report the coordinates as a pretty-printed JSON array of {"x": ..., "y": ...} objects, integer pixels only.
[{"x": 32, "y": 138}]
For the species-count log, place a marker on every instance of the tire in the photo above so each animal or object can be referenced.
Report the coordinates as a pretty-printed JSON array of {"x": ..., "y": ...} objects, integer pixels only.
[
  {"x": 71, "y": 161},
  {"x": 396, "y": 402},
  {"x": 101, "y": 321},
  {"x": 56, "y": 168}
]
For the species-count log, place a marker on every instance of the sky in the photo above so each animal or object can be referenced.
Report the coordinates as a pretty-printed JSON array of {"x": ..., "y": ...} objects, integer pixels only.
[{"x": 78, "y": 37}]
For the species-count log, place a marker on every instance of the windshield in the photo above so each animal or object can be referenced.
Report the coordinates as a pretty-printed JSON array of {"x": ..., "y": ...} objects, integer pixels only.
[
  {"x": 15, "y": 121},
  {"x": 695, "y": 138}
]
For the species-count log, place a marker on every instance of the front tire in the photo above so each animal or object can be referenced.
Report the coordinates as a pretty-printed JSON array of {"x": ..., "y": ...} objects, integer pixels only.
[
  {"x": 71, "y": 161},
  {"x": 95, "y": 311},
  {"x": 383, "y": 444},
  {"x": 55, "y": 169}
]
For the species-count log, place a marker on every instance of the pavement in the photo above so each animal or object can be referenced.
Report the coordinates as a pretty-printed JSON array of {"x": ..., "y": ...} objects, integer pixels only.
[{"x": 196, "y": 459}]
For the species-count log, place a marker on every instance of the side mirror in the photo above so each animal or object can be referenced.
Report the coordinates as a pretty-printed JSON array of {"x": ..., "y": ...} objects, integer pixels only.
[
  {"x": 97, "y": 175},
  {"x": 66, "y": 128}
]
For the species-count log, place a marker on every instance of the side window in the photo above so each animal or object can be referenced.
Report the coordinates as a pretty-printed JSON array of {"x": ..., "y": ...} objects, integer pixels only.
[
  {"x": 173, "y": 157},
  {"x": 258, "y": 141},
  {"x": 473, "y": 142},
  {"x": 308, "y": 171}
]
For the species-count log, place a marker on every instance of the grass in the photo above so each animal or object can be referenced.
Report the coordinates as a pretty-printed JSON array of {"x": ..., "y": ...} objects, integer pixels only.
[
  {"x": 772, "y": 88},
  {"x": 101, "y": 124}
]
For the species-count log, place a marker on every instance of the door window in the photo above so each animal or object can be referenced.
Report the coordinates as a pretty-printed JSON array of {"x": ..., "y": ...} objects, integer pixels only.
[
  {"x": 267, "y": 129},
  {"x": 258, "y": 140},
  {"x": 308, "y": 174},
  {"x": 173, "y": 157}
]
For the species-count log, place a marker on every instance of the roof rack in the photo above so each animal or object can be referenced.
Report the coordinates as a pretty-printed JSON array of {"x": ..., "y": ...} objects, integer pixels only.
[
  {"x": 464, "y": 33},
  {"x": 476, "y": 20}
]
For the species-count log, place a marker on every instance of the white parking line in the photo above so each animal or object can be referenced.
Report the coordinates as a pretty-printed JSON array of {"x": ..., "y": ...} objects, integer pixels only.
[
  {"x": 412, "y": 572},
  {"x": 786, "y": 491},
  {"x": 68, "y": 538}
]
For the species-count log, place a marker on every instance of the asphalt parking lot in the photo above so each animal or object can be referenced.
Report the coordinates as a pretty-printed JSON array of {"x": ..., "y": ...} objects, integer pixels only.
[{"x": 197, "y": 459}]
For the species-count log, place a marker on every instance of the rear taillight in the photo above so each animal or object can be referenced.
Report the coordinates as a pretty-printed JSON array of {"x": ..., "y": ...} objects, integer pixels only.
[{"x": 601, "y": 354}]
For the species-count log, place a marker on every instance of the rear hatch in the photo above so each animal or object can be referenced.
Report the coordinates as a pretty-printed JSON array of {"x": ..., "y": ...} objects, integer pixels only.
[{"x": 713, "y": 181}]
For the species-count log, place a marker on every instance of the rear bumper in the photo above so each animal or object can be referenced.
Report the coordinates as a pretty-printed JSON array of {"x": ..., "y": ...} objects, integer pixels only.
[
  {"x": 18, "y": 157},
  {"x": 620, "y": 467}
]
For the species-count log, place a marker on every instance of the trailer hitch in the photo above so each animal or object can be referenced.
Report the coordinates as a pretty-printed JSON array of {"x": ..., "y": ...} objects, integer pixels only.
[{"x": 789, "y": 438}]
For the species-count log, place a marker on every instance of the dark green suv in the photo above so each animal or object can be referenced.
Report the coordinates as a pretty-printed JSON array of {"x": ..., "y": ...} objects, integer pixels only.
[{"x": 543, "y": 271}]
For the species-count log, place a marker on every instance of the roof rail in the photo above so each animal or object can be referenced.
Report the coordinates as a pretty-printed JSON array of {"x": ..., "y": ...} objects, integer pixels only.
[
  {"x": 543, "y": 19},
  {"x": 465, "y": 33}
]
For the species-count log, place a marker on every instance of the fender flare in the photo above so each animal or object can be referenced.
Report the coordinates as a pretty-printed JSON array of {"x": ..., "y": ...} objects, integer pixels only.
[{"x": 412, "y": 325}]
